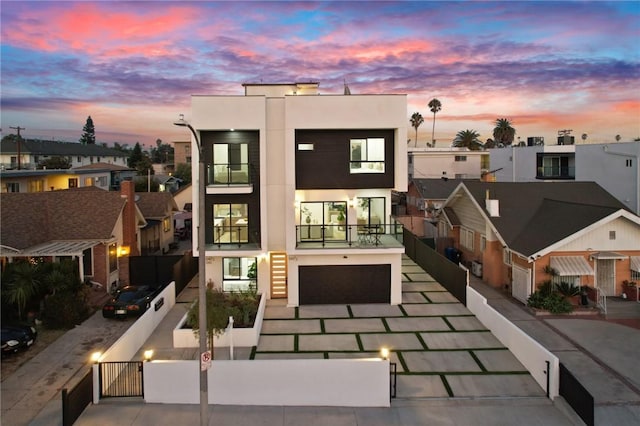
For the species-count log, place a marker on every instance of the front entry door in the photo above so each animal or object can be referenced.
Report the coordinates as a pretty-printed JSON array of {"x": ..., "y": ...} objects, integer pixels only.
[
  {"x": 278, "y": 262},
  {"x": 607, "y": 276}
]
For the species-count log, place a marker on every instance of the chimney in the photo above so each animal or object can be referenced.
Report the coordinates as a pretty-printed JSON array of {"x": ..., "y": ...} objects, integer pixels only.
[
  {"x": 130, "y": 228},
  {"x": 492, "y": 206}
]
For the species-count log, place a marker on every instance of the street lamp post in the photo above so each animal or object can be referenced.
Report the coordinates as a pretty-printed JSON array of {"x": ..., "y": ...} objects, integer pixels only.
[{"x": 202, "y": 289}]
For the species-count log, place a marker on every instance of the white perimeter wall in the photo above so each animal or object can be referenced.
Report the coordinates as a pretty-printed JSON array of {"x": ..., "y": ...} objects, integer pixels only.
[
  {"x": 336, "y": 382},
  {"x": 529, "y": 352}
]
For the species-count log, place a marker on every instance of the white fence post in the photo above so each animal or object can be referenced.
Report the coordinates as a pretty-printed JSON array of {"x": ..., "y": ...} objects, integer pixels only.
[{"x": 231, "y": 338}]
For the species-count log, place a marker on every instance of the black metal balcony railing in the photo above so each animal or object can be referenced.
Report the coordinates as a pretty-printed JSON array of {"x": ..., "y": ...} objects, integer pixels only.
[
  {"x": 360, "y": 235},
  {"x": 551, "y": 172},
  {"x": 231, "y": 234},
  {"x": 228, "y": 174}
]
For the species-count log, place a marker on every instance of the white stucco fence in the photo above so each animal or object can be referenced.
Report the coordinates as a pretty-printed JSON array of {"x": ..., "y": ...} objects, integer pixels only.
[
  {"x": 312, "y": 382},
  {"x": 531, "y": 354},
  {"x": 132, "y": 340}
]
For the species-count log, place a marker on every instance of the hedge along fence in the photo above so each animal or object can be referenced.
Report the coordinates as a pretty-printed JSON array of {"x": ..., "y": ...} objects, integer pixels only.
[
  {"x": 530, "y": 353},
  {"x": 298, "y": 382}
]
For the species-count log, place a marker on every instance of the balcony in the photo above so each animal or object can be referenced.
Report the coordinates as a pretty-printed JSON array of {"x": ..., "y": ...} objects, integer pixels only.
[
  {"x": 365, "y": 236},
  {"x": 553, "y": 172},
  {"x": 229, "y": 178}
]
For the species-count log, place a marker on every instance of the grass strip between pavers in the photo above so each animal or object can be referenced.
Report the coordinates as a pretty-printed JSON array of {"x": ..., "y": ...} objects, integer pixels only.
[
  {"x": 477, "y": 360},
  {"x": 322, "y": 330},
  {"x": 386, "y": 325},
  {"x": 402, "y": 362},
  {"x": 426, "y": 297},
  {"x": 295, "y": 343},
  {"x": 297, "y": 312},
  {"x": 407, "y": 277},
  {"x": 421, "y": 340},
  {"x": 446, "y": 321},
  {"x": 350, "y": 311},
  {"x": 404, "y": 313},
  {"x": 253, "y": 352},
  {"x": 360, "y": 345},
  {"x": 445, "y": 383}
]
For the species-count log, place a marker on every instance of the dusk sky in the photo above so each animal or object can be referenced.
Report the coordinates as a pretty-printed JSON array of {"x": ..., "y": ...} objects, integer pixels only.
[{"x": 133, "y": 66}]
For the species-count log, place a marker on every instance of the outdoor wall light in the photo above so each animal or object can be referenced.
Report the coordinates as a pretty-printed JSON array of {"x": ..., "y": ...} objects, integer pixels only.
[
  {"x": 95, "y": 357},
  {"x": 148, "y": 354},
  {"x": 123, "y": 251},
  {"x": 384, "y": 353}
]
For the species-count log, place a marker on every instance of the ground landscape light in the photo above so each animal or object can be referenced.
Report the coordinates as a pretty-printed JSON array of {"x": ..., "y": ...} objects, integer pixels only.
[
  {"x": 384, "y": 353},
  {"x": 95, "y": 357},
  {"x": 148, "y": 354}
]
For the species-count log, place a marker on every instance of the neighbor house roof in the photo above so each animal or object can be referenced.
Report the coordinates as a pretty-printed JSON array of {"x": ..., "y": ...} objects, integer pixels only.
[
  {"x": 103, "y": 166},
  {"x": 40, "y": 147},
  {"x": 156, "y": 205},
  {"x": 436, "y": 189},
  {"x": 30, "y": 219},
  {"x": 536, "y": 215}
]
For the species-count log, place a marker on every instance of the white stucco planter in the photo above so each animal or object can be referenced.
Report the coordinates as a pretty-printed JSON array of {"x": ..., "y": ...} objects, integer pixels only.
[{"x": 242, "y": 337}]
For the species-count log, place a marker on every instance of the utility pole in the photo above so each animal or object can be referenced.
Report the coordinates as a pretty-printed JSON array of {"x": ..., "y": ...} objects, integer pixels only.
[{"x": 18, "y": 140}]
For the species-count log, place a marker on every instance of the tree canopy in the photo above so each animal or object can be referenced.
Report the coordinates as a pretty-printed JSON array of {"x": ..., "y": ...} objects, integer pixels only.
[
  {"x": 503, "y": 133},
  {"x": 89, "y": 135},
  {"x": 467, "y": 139},
  {"x": 416, "y": 120}
]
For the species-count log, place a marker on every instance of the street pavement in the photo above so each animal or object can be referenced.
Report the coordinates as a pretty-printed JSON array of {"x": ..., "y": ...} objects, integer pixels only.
[{"x": 604, "y": 366}]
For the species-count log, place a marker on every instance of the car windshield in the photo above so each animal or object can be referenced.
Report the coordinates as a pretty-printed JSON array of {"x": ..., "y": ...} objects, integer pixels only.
[{"x": 128, "y": 296}]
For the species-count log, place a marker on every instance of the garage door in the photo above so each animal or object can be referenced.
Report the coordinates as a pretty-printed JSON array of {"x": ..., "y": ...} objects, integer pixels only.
[{"x": 344, "y": 284}]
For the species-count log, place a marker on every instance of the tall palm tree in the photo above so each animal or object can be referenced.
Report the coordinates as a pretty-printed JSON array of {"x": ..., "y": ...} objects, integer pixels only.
[
  {"x": 434, "y": 107},
  {"x": 416, "y": 120},
  {"x": 467, "y": 139},
  {"x": 503, "y": 133}
]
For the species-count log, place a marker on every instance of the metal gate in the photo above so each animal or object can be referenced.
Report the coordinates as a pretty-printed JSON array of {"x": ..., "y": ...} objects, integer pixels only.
[
  {"x": 521, "y": 283},
  {"x": 121, "y": 378}
]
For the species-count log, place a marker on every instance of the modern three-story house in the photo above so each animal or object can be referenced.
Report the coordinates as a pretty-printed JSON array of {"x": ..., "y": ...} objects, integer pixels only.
[{"x": 298, "y": 192}]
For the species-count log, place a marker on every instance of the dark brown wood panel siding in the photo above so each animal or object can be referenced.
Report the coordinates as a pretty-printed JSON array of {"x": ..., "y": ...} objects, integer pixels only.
[
  {"x": 252, "y": 137},
  {"x": 327, "y": 166},
  {"x": 344, "y": 284}
]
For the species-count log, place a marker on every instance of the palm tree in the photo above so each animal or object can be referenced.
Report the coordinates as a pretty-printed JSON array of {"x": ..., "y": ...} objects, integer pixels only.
[
  {"x": 503, "y": 133},
  {"x": 416, "y": 120},
  {"x": 22, "y": 286},
  {"x": 468, "y": 139},
  {"x": 434, "y": 106}
]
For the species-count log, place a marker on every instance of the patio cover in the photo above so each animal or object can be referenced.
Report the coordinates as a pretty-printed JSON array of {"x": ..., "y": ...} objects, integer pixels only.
[
  {"x": 635, "y": 263},
  {"x": 571, "y": 265},
  {"x": 53, "y": 248}
]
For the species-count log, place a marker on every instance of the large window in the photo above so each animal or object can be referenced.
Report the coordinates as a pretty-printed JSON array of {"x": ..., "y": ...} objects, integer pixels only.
[
  {"x": 323, "y": 220},
  {"x": 87, "y": 261},
  {"x": 371, "y": 213},
  {"x": 230, "y": 223},
  {"x": 12, "y": 187},
  {"x": 239, "y": 273},
  {"x": 36, "y": 185},
  {"x": 230, "y": 163},
  {"x": 367, "y": 155}
]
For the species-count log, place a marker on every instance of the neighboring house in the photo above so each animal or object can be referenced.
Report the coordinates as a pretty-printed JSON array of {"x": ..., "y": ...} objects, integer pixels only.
[
  {"x": 167, "y": 183},
  {"x": 183, "y": 197},
  {"x": 614, "y": 166},
  {"x": 298, "y": 192},
  {"x": 182, "y": 152},
  {"x": 157, "y": 209},
  {"x": 99, "y": 228},
  {"x": 27, "y": 153},
  {"x": 100, "y": 175},
  {"x": 509, "y": 233},
  {"x": 451, "y": 163},
  {"x": 424, "y": 199}
]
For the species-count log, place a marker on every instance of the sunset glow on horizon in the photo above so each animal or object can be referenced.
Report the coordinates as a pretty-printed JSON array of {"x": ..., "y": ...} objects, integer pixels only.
[{"x": 133, "y": 66}]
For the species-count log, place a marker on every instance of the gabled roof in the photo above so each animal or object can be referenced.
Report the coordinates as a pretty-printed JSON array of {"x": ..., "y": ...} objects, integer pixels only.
[
  {"x": 29, "y": 219},
  {"x": 156, "y": 205},
  {"x": 534, "y": 216},
  {"x": 40, "y": 147},
  {"x": 437, "y": 189},
  {"x": 104, "y": 166}
]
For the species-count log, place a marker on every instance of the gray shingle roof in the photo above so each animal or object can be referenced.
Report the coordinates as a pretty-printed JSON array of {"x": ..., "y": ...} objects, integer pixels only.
[
  {"x": 437, "y": 189},
  {"x": 156, "y": 205},
  {"x": 76, "y": 214},
  {"x": 535, "y": 215}
]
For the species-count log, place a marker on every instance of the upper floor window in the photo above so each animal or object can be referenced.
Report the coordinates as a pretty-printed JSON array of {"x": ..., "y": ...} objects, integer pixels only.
[
  {"x": 230, "y": 223},
  {"x": 461, "y": 158},
  {"x": 323, "y": 220},
  {"x": 73, "y": 183},
  {"x": 483, "y": 243},
  {"x": 371, "y": 213},
  {"x": 506, "y": 256},
  {"x": 88, "y": 181},
  {"x": 230, "y": 163},
  {"x": 612, "y": 235},
  {"x": 628, "y": 162},
  {"x": 367, "y": 155},
  {"x": 166, "y": 224}
]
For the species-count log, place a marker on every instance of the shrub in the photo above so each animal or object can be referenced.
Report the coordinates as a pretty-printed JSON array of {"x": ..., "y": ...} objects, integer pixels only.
[
  {"x": 553, "y": 302},
  {"x": 567, "y": 289},
  {"x": 65, "y": 309}
]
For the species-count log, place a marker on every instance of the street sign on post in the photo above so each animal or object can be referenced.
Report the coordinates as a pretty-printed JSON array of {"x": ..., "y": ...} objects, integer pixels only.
[{"x": 205, "y": 361}]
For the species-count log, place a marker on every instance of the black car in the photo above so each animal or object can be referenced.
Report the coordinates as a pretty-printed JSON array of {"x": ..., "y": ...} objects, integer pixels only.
[
  {"x": 17, "y": 337},
  {"x": 131, "y": 300}
]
